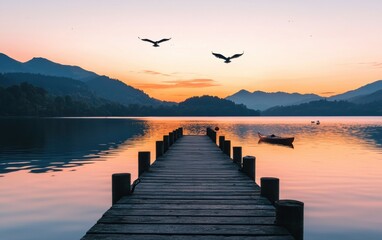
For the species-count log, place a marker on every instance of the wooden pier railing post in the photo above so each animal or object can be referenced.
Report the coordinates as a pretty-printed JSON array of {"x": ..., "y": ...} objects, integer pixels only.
[
  {"x": 159, "y": 148},
  {"x": 237, "y": 155},
  {"x": 209, "y": 132},
  {"x": 143, "y": 162},
  {"x": 171, "y": 139},
  {"x": 175, "y": 135},
  {"x": 221, "y": 142},
  {"x": 227, "y": 147},
  {"x": 290, "y": 214},
  {"x": 249, "y": 166},
  {"x": 270, "y": 188},
  {"x": 181, "y": 132},
  {"x": 166, "y": 142},
  {"x": 178, "y": 133},
  {"x": 213, "y": 136},
  {"x": 120, "y": 186}
]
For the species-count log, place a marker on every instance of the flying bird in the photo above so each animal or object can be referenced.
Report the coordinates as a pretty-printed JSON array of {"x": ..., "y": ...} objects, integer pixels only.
[
  {"x": 227, "y": 59},
  {"x": 156, "y": 43}
]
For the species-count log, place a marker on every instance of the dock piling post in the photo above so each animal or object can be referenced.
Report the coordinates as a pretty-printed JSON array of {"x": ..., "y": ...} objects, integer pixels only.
[
  {"x": 175, "y": 135},
  {"x": 227, "y": 147},
  {"x": 165, "y": 143},
  {"x": 159, "y": 148},
  {"x": 120, "y": 185},
  {"x": 143, "y": 162},
  {"x": 270, "y": 188},
  {"x": 171, "y": 139},
  {"x": 290, "y": 214},
  {"x": 249, "y": 166},
  {"x": 213, "y": 136},
  {"x": 237, "y": 155},
  {"x": 209, "y": 133},
  {"x": 221, "y": 142}
]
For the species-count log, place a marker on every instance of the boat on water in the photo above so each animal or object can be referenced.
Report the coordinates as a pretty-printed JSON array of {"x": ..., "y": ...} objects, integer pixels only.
[{"x": 276, "y": 139}]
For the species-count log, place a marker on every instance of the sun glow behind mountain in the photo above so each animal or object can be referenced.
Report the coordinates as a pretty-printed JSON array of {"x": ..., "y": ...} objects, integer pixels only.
[{"x": 326, "y": 47}]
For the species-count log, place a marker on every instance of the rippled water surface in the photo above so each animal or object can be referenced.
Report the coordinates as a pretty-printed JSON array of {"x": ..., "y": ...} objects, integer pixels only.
[{"x": 55, "y": 174}]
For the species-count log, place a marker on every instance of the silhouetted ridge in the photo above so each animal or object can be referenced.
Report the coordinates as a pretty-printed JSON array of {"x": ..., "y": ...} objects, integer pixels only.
[
  {"x": 102, "y": 86},
  {"x": 327, "y": 108},
  {"x": 117, "y": 91},
  {"x": 8, "y": 64},
  {"x": 47, "y": 67},
  {"x": 364, "y": 90},
  {"x": 213, "y": 106},
  {"x": 264, "y": 100},
  {"x": 54, "y": 85}
]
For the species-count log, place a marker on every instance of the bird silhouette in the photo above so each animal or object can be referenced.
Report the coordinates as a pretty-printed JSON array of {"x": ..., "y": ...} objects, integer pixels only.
[
  {"x": 156, "y": 43},
  {"x": 227, "y": 59}
]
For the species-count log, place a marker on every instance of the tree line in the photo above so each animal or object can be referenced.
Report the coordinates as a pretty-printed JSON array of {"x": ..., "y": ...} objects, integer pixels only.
[
  {"x": 27, "y": 100},
  {"x": 327, "y": 108}
]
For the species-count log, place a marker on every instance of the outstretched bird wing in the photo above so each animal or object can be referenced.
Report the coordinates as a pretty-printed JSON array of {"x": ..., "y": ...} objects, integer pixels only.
[
  {"x": 147, "y": 40},
  {"x": 163, "y": 40},
  {"x": 237, "y": 55},
  {"x": 218, "y": 55}
]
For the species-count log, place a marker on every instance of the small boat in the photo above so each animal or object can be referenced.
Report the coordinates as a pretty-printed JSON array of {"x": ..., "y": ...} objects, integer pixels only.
[{"x": 276, "y": 139}]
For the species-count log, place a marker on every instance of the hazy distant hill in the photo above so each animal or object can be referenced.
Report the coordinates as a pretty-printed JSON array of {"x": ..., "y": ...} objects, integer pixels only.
[
  {"x": 374, "y": 97},
  {"x": 8, "y": 64},
  {"x": 364, "y": 90},
  {"x": 117, "y": 91},
  {"x": 67, "y": 78},
  {"x": 45, "y": 67},
  {"x": 327, "y": 108},
  {"x": 213, "y": 106},
  {"x": 27, "y": 100},
  {"x": 54, "y": 85},
  {"x": 263, "y": 100}
]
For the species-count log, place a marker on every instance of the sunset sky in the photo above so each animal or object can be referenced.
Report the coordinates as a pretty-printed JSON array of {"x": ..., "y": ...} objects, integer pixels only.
[{"x": 323, "y": 47}]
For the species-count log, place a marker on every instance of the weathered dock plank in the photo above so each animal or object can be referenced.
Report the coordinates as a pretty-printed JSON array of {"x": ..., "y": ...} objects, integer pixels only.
[
  {"x": 193, "y": 191},
  {"x": 194, "y": 229},
  {"x": 181, "y": 237}
]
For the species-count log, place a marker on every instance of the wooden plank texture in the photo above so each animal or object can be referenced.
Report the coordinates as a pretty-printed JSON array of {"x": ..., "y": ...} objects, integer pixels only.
[{"x": 193, "y": 191}]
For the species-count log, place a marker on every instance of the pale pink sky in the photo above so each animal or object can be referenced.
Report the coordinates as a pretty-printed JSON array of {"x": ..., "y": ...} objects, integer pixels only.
[{"x": 293, "y": 46}]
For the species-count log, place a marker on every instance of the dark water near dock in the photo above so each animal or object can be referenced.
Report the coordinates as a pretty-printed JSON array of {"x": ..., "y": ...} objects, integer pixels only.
[{"x": 55, "y": 174}]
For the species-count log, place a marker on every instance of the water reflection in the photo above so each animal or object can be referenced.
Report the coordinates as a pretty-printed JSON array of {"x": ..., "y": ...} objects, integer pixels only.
[
  {"x": 335, "y": 168},
  {"x": 49, "y": 145}
]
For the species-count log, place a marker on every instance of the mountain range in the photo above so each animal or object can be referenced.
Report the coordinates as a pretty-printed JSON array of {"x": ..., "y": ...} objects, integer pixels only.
[
  {"x": 62, "y": 80},
  {"x": 264, "y": 100}
]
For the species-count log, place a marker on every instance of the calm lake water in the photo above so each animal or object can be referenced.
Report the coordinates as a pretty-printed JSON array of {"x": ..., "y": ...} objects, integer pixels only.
[{"x": 55, "y": 174}]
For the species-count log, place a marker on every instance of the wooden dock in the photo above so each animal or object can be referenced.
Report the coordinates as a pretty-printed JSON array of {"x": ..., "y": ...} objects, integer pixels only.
[{"x": 193, "y": 191}]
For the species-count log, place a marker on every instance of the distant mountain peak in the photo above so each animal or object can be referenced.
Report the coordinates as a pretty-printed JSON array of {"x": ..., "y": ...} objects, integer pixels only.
[
  {"x": 243, "y": 91},
  {"x": 260, "y": 100},
  {"x": 4, "y": 57},
  {"x": 364, "y": 90},
  {"x": 8, "y": 64},
  {"x": 39, "y": 59}
]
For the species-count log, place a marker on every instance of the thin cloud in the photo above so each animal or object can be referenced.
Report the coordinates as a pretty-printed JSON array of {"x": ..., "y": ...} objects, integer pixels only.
[
  {"x": 191, "y": 83},
  {"x": 372, "y": 64},
  {"x": 327, "y": 93},
  {"x": 151, "y": 72}
]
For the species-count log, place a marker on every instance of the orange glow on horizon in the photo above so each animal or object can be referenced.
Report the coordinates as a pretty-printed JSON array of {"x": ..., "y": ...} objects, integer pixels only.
[{"x": 289, "y": 48}]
